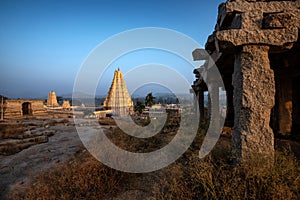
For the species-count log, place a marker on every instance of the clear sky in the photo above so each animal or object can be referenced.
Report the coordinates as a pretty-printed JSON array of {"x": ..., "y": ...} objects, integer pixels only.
[{"x": 44, "y": 42}]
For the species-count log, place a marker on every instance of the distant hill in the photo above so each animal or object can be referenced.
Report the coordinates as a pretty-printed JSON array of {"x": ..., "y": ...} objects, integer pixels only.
[{"x": 80, "y": 95}]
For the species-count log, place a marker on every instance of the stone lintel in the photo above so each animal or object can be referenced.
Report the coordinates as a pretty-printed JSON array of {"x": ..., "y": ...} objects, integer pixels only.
[
  {"x": 266, "y": 7},
  {"x": 272, "y": 37},
  {"x": 200, "y": 54}
]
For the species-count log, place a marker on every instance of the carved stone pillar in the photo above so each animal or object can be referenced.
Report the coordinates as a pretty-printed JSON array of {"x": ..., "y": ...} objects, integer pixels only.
[
  {"x": 254, "y": 92},
  {"x": 201, "y": 105},
  {"x": 214, "y": 106},
  {"x": 229, "y": 121}
]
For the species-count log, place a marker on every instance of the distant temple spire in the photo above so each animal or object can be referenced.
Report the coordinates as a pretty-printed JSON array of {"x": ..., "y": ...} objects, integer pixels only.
[{"x": 52, "y": 100}]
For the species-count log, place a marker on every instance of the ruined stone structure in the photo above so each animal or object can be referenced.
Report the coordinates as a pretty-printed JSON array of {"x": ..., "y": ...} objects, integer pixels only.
[
  {"x": 255, "y": 46},
  {"x": 66, "y": 104},
  {"x": 2, "y": 109},
  {"x": 24, "y": 107},
  {"x": 52, "y": 101},
  {"x": 118, "y": 98}
]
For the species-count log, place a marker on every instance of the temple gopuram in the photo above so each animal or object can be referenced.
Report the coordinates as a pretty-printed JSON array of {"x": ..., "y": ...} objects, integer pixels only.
[{"x": 118, "y": 98}]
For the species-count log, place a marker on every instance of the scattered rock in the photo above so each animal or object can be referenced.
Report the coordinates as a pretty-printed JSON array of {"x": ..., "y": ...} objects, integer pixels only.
[{"x": 27, "y": 134}]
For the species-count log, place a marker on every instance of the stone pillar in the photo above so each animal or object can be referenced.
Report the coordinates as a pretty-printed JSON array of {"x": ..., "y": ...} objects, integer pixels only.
[
  {"x": 201, "y": 105},
  {"x": 229, "y": 121},
  {"x": 195, "y": 95},
  {"x": 284, "y": 99},
  {"x": 254, "y": 92},
  {"x": 208, "y": 106},
  {"x": 296, "y": 108},
  {"x": 214, "y": 106}
]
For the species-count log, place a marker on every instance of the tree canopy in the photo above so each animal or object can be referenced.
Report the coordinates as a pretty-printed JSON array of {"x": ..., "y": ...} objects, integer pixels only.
[
  {"x": 149, "y": 100},
  {"x": 139, "y": 107}
]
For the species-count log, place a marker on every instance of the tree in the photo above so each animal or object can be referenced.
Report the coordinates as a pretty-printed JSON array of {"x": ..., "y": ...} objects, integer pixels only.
[
  {"x": 4, "y": 98},
  {"x": 59, "y": 99},
  {"x": 149, "y": 100},
  {"x": 139, "y": 107}
]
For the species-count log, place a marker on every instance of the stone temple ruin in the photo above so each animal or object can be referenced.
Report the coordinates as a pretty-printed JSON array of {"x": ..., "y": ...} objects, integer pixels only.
[
  {"x": 18, "y": 108},
  {"x": 22, "y": 107},
  {"x": 52, "y": 100},
  {"x": 118, "y": 98},
  {"x": 256, "y": 48},
  {"x": 66, "y": 105}
]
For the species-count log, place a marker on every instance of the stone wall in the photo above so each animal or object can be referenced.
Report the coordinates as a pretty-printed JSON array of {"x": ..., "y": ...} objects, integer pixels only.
[{"x": 16, "y": 108}]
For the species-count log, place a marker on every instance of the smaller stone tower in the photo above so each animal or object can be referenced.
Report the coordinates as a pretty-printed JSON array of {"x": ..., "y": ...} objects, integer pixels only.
[
  {"x": 52, "y": 101},
  {"x": 66, "y": 104}
]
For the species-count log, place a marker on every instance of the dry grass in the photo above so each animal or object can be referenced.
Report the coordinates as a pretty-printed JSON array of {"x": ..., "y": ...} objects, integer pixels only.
[
  {"x": 134, "y": 144},
  {"x": 63, "y": 121},
  {"x": 217, "y": 179},
  {"x": 83, "y": 178},
  {"x": 107, "y": 121},
  {"x": 188, "y": 178},
  {"x": 12, "y": 131},
  {"x": 12, "y": 147},
  {"x": 15, "y": 130},
  {"x": 15, "y": 137}
]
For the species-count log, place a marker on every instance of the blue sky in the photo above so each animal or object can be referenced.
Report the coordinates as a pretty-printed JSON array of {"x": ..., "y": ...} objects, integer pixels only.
[{"x": 44, "y": 42}]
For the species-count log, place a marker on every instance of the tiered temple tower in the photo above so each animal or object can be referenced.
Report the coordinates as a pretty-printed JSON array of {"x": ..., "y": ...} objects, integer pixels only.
[
  {"x": 52, "y": 101},
  {"x": 118, "y": 98}
]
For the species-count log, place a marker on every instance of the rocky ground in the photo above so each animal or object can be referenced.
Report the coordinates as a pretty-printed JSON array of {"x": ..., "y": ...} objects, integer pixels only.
[
  {"x": 23, "y": 155},
  {"x": 62, "y": 143}
]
